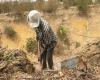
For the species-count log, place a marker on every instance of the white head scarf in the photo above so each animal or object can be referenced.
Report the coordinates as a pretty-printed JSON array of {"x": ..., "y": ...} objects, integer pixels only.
[{"x": 34, "y": 18}]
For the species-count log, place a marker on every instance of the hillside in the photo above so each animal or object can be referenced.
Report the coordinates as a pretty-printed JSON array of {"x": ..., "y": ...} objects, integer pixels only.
[{"x": 82, "y": 30}]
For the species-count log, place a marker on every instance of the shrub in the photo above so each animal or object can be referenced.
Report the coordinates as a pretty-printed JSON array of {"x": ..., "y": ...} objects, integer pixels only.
[
  {"x": 10, "y": 32},
  {"x": 20, "y": 8},
  {"x": 83, "y": 7},
  {"x": 62, "y": 32},
  {"x": 51, "y": 6},
  {"x": 31, "y": 45},
  {"x": 16, "y": 6},
  {"x": 63, "y": 35},
  {"x": 5, "y": 7},
  {"x": 68, "y": 3}
]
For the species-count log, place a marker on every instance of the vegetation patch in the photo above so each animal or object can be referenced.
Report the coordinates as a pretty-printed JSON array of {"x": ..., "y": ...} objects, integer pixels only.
[
  {"x": 63, "y": 36},
  {"x": 31, "y": 45},
  {"x": 62, "y": 32},
  {"x": 10, "y": 32},
  {"x": 83, "y": 7}
]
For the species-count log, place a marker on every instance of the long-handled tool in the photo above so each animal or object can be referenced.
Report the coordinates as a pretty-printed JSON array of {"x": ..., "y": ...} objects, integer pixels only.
[
  {"x": 39, "y": 54},
  {"x": 38, "y": 51}
]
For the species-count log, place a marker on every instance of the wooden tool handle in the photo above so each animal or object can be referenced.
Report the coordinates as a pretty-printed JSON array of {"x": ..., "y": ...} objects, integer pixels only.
[{"x": 39, "y": 51}]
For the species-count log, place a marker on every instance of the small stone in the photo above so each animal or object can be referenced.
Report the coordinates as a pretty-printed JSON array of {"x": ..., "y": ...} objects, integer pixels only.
[{"x": 60, "y": 73}]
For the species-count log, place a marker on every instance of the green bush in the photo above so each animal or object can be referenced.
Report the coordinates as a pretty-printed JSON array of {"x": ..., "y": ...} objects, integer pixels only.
[
  {"x": 62, "y": 32},
  {"x": 63, "y": 35},
  {"x": 31, "y": 45},
  {"x": 10, "y": 32}
]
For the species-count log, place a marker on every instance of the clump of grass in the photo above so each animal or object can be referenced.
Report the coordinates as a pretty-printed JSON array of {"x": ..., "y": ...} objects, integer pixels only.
[
  {"x": 31, "y": 45},
  {"x": 10, "y": 32}
]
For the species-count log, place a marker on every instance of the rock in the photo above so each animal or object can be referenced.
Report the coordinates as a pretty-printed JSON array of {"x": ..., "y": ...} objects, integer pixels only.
[{"x": 70, "y": 63}]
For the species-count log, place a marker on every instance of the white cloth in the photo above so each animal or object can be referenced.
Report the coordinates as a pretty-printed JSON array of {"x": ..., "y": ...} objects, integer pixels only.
[{"x": 34, "y": 18}]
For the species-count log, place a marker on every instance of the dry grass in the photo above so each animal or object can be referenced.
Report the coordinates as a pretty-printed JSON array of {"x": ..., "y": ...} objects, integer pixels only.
[
  {"x": 51, "y": 6},
  {"x": 23, "y": 32}
]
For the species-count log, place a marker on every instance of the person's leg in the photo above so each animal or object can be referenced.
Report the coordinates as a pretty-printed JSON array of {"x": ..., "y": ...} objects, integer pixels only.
[
  {"x": 50, "y": 58},
  {"x": 50, "y": 51},
  {"x": 43, "y": 59}
]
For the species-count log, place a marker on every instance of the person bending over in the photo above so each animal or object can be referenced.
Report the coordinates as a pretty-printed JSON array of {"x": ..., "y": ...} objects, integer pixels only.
[{"x": 45, "y": 36}]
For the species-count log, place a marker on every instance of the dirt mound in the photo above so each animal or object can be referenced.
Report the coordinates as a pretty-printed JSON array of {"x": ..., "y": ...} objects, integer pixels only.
[
  {"x": 14, "y": 65},
  {"x": 90, "y": 54},
  {"x": 87, "y": 69},
  {"x": 91, "y": 48},
  {"x": 12, "y": 61},
  {"x": 91, "y": 51}
]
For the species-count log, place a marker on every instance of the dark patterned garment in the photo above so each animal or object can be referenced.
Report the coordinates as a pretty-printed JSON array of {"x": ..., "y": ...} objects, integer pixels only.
[
  {"x": 47, "y": 40},
  {"x": 45, "y": 35}
]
